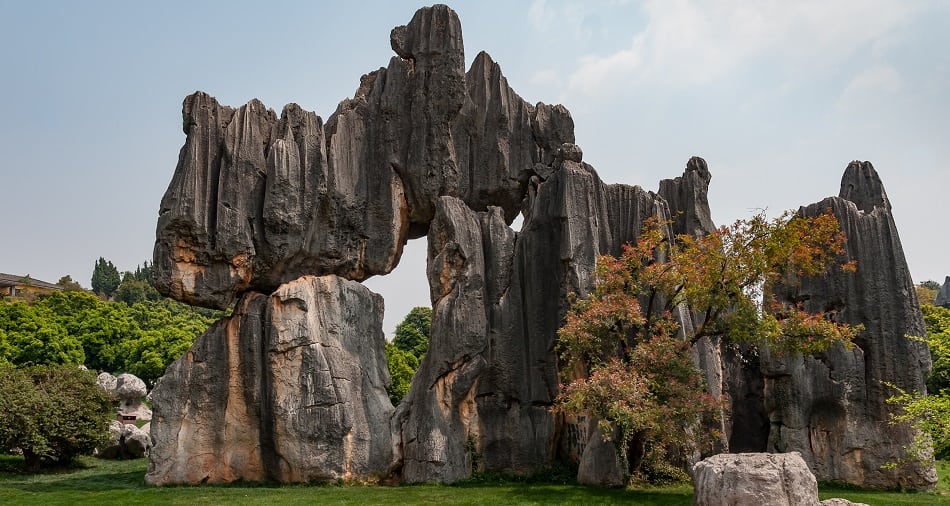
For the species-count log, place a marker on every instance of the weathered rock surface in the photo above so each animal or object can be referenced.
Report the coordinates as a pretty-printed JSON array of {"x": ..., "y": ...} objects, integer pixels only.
[
  {"x": 600, "y": 464},
  {"x": 687, "y": 197},
  {"x": 131, "y": 392},
  {"x": 490, "y": 376},
  {"x": 107, "y": 383},
  {"x": 258, "y": 200},
  {"x": 832, "y": 407},
  {"x": 837, "y": 501},
  {"x": 943, "y": 296},
  {"x": 127, "y": 442},
  {"x": 763, "y": 479},
  {"x": 290, "y": 388}
]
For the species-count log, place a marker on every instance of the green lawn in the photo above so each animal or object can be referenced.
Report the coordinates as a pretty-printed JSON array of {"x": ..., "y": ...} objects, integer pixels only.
[{"x": 121, "y": 482}]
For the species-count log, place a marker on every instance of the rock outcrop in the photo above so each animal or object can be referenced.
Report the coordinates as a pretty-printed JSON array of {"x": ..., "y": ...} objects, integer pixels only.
[
  {"x": 832, "y": 407},
  {"x": 126, "y": 442},
  {"x": 943, "y": 296},
  {"x": 291, "y": 387},
  {"x": 131, "y": 392},
  {"x": 258, "y": 200},
  {"x": 490, "y": 377},
  {"x": 286, "y": 214},
  {"x": 764, "y": 479}
]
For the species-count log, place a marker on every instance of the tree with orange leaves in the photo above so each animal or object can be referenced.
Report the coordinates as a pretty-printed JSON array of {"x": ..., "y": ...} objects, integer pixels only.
[{"x": 625, "y": 347}]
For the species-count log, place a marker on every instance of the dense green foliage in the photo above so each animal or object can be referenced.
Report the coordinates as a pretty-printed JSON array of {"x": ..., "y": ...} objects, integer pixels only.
[
  {"x": 141, "y": 334},
  {"x": 938, "y": 338},
  {"x": 929, "y": 414},
  {"x": 412, "y": 334},
  {"x": 31, "y": 335},
  {"x": 52, "y": 414},
  {"x": 402, "y": 365},
  {"x": 624, "y": 360},
  {"x": 105, "y": 278},
  {"x": 405, "y": 353}
]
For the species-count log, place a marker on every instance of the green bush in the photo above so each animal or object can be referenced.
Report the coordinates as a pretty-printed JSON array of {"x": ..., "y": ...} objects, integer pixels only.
[{"x": 52, "y": 414}]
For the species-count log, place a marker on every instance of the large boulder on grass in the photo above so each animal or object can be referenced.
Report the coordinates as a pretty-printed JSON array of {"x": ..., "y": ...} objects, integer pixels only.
[{"x": 763, "y": 479}]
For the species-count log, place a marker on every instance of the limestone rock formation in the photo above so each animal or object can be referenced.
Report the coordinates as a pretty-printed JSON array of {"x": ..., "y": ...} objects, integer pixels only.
[
  {"x": 258, "y": 200},
  {"x": 490, "y": 376},
  {"x": 764, "y": 479},
  {"x": 285, "y": 214},
  {"x": 943, "y": 296},
  {"x": 131, "y": 392},
  {"x": 107, "y": 383},
  {"x": 687, "y": 196},
  {"x": 291, "y": 387},
  {"x": 600, "y": 464},
  {"x": 832, "y": 407},
  {"x": 126, "y": 442}
]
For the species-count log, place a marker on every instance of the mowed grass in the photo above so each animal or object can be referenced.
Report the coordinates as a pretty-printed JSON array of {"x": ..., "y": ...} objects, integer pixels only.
[{"x": 121, "y": 482}]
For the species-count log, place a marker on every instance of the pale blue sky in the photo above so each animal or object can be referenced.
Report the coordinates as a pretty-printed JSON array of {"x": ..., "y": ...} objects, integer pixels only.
[{"x": 778, "y": 97}]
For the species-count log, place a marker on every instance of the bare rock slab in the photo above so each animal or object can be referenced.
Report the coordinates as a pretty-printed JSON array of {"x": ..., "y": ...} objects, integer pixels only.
[{"x": 763, "y": 479}]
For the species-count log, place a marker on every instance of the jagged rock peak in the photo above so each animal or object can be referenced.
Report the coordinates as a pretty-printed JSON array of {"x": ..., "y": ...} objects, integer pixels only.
[
  {"x": 687, "y": 196},
  {"x": 943, "y": 296},
  {"x": 434, "y": 31},
  {"x": 861, "y": 184}
]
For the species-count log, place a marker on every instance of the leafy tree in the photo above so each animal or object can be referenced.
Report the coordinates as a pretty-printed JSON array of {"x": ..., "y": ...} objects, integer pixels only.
[
  {"x": 625, "y": 361},
  {"x": 402, "y": 366},
  {"x": 68, "y": 284},
  {"x": 105, "y": 278},
  {"x": 927, "y": 291},
  {"x": 929, "y": 414},
  {"x": 99, "y": 326},
  {"x": 937, "y": 319},
  {"x": 32, "y": 337},
  {"x": 412, "y": 334},
  {"x": 133, "y": 290},
  {"x": 52, "y": 414},
  {"x": 77, "y": 327},
  {"x": 167, "y": 331}
]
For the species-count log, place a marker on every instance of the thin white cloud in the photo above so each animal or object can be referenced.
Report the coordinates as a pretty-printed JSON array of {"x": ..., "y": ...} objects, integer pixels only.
[
  {"x": 689, "y": 43},
  {"x": 870, "y": 86},
  {"x": 572, "y": 18},
  {"x": 544, "y": 77}
]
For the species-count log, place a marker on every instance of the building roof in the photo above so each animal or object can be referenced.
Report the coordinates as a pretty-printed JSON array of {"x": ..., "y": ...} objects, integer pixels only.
[{"x": 18, "y": 280}]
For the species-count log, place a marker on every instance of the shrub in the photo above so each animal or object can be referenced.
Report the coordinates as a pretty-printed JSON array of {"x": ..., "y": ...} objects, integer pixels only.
[{"x": 52, "y": 414}]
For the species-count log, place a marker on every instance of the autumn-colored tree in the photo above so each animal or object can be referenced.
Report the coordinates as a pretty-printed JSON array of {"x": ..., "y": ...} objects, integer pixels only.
[{"x": 624, "y": 348}]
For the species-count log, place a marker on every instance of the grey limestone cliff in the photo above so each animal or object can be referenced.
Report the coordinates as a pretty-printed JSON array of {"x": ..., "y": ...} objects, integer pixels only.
[{"x": 832, "y": 407}]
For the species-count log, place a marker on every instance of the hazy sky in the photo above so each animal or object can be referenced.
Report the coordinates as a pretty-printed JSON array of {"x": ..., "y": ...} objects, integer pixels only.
[{"x": 777, "y": 96}]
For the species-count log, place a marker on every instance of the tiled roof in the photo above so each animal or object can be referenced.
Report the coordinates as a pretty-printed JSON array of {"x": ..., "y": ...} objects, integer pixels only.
[{"x": 15, "y": 279}]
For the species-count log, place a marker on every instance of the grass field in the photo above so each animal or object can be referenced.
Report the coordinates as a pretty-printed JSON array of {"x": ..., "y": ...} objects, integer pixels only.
[{"x": 121, "y": 482}]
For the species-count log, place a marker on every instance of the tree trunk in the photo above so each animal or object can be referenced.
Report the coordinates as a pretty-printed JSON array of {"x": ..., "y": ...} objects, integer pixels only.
[
  {"x": 636, "y": 450},
  {"x": 32, "y": 461}
]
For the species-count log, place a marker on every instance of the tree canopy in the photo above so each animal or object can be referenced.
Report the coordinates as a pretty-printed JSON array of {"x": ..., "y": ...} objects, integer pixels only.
[
  {"x": 624, "y": 348},
  {"x": 52, "y": 414},
  {"x": 140, "y": 333},
  {"x": 405, "y": 353},
  {"x": 105, "y": 278}
]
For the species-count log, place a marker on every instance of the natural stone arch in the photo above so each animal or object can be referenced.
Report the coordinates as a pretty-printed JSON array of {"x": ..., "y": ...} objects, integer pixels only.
[{"x": 284, "y": 215}]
